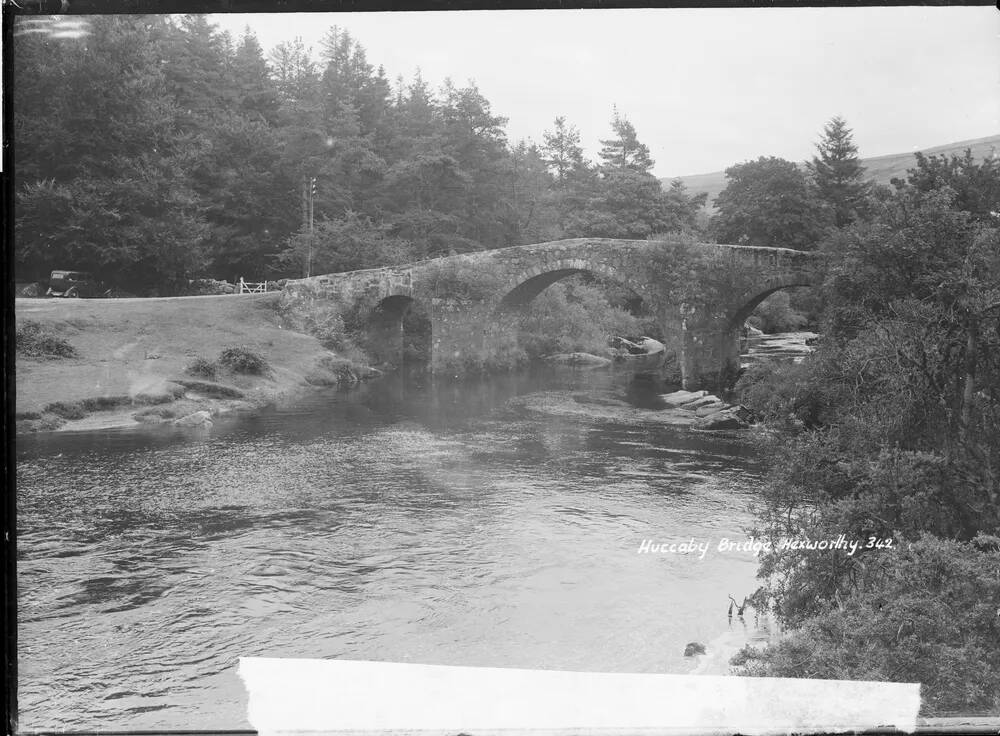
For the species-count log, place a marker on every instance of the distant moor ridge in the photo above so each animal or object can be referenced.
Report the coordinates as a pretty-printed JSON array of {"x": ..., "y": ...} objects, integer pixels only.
[{"x": 880, "y": 168}]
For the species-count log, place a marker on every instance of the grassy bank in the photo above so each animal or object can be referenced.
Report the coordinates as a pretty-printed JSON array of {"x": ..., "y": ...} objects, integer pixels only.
[{"x": 101, "y": 362}]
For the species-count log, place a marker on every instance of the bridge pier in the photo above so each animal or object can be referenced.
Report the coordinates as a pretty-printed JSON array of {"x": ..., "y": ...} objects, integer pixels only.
[
  {"x": 710, "y": 356},
  {"x": 469, "y": 336}
]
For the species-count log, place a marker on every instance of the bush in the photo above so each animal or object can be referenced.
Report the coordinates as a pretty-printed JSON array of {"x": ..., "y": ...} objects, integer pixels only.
[
  {"x": 66, "y": 409},
  {"x": 928, "y": 615},
  {"x": 241, "y": 359},
  {"x": 573, "y": 316},
  {"x": 202, "y": 367},
  {"x": 33, "y": 340}
]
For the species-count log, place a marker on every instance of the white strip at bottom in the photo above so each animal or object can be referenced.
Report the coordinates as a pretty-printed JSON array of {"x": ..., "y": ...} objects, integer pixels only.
[{"x": 344, "y": 696}]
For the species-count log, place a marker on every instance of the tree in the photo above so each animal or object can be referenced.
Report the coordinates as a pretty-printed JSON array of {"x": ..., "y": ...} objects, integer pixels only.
[
  {"x": 255, "y": 91},
  {"x": 345, "y": 243},
  {"x": 104, "y": 181},
  {"x": 976, "y": 183},
  {"x": 626, "y": 200},
  {"x": 768, "y": 202},
  {"x": 624, "y": 151},
  {"x": 562, "y": 151},
  {"x": 838, "y": 174}
]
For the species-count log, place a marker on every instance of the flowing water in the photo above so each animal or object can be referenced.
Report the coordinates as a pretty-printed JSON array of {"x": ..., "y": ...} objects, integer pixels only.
[{"x": 406, "y": 521}]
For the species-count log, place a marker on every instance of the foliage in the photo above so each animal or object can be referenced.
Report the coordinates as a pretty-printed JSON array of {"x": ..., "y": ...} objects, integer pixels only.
[
  {"x": 901, "y": 408},
  {"x": 976, "y": 183},
  {"x": 769, "y": 202},
  {"x": 34, "y": 340},
  {"x": 348, "y": 243},
  {"x": 626, "y": 200},
  {"x": 928, "y": 615},
  {"x": 202, "y": 367},
  {"x": 573, "y": 316},
  {"x": 66, "y": 409},
  {"x": 241, "y": 359},
  {"x": 838, "y": 174},
  {"x": 161, "y": 151}
]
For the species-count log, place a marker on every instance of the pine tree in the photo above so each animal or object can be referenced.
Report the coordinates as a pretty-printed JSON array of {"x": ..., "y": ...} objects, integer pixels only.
[
  {"x": 838, "y": 174},
  {"x": 255, "y": 91},
  {"x": 562, "y": 151},
  {"x": 625, "y": 151}
]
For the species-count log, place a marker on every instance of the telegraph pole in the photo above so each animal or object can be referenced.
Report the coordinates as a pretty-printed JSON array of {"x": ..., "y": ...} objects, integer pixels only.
[{"x": 311, "y": 195}]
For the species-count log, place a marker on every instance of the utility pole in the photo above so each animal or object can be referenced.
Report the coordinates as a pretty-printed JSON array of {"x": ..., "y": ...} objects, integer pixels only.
[{"x": 310, "y": 197}]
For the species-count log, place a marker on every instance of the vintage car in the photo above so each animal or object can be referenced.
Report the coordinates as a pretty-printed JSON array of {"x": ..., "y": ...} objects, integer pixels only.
[{"x": 73, "y": 284}]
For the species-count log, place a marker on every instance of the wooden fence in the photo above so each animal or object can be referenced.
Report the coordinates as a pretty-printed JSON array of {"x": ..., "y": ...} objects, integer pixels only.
[{"x": 252, "y": 287}]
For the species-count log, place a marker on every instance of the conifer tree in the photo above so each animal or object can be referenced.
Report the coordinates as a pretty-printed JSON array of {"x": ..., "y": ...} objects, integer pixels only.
[
  {"x": 838, "y": 174},
  {"x": 625, "y": 151}
]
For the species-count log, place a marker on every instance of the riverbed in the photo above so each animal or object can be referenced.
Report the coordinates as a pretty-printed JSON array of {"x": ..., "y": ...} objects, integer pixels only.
[{"x": 407, "y": 520}]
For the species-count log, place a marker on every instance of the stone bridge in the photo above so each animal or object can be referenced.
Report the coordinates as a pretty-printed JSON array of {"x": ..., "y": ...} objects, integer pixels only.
[{"x": 699, "y": 293}]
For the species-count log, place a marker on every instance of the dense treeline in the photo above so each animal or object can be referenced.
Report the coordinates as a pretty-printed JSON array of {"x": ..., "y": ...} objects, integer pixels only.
[{"x": 154, "y": 150}]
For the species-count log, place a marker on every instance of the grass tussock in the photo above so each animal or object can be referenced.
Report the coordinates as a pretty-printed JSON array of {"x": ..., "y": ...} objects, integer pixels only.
[
  {"x": 241, "y": 359},
  {"x": 334, "y": 370},
  {"x": 36, "y": 341},
  {"x": 202, "y": 368}
]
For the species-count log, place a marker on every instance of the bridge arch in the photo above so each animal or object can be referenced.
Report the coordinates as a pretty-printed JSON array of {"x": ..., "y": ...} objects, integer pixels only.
[
  {"x": 751, "y": 300},
  {"x": 526, "y": 285}
]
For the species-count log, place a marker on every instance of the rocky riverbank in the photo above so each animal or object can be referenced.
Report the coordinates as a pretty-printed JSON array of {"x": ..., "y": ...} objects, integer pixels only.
[{"x": 90, "y": 364}]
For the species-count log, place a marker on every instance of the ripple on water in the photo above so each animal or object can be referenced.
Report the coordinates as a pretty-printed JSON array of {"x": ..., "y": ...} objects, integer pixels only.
[{"x": 397, "y": 523}]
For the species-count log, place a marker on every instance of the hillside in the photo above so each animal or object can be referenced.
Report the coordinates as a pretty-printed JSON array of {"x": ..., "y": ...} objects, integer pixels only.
[{"x": 880, "y": 168}]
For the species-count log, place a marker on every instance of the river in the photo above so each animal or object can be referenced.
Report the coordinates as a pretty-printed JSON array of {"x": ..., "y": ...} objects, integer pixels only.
[{"x": 407, "y": 520}]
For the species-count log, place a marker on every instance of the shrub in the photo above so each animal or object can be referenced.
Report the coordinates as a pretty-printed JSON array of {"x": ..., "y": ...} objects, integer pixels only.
[
  {"x": 573, "y": 316},
  {"x": 34, "y": 340},
  {"x": 202, "y": 367},
  {"x": 928, "y": 615},
  {"x": 241, "y": 359},
  {"x": 104, "y": 403},
  {"x": 66, "y": 409}
]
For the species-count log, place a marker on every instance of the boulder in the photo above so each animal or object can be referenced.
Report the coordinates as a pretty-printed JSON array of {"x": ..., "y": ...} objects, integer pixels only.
[
  {"x": 694, "y": 648},
  {"x": 703, "y": 401},
  {"x": 710, "y": 409},
  {"x": 735, "y": 417},
  {"x": 753, "y": 331},
  {"x": 682, "y": 397},
  {"x": 196, "y": 419},
  {"x": 586, "y": 360}
]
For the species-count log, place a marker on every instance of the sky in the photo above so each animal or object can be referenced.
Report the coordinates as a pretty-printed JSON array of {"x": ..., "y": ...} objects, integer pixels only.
[{"x": 704, "y": 88}]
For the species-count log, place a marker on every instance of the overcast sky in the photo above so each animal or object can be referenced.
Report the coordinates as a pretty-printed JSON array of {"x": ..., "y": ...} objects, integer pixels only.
[{"x": 704, "y": 88}]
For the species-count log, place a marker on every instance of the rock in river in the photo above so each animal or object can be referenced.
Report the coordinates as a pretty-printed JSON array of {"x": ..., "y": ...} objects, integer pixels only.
[
  {"x": 700, "y": 402},
  {"x": 735, "y": 417},
  {"x": 197, "y": 419},
  {"x": 682, "y": 397},
  {"x": 710, "y": 409},
  {"x": 583, "y": 360}
]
